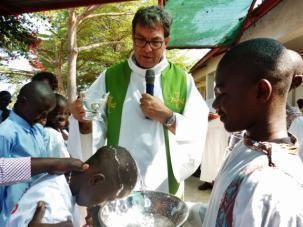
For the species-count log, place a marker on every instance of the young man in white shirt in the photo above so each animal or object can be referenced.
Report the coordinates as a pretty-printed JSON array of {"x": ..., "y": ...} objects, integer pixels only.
[
  {"x": 112, "y": 174},
  {"x": 260, "y": 183}
]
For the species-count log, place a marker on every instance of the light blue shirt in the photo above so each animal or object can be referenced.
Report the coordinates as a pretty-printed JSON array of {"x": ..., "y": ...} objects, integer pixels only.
[
  {"x": 18, "y": 139},
  {"x": 1, "y": 120}
]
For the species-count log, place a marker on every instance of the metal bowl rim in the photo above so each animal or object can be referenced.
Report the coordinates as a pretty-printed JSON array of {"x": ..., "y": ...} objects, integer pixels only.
[{"x": 155, "y": 192}]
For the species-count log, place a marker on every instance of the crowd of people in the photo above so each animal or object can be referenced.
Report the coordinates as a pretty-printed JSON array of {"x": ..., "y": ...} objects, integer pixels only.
[
  {"x": 32, "y": 139},
  {"x": 53, "y": 158}
]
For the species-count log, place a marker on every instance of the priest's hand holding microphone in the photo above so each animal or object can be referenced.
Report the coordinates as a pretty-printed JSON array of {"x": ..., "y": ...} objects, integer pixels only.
[{"x": 153, "y": 108}]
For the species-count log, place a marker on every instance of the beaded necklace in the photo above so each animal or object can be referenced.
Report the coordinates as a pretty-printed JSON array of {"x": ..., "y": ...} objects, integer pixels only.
[{"x": 289, "y": 144}]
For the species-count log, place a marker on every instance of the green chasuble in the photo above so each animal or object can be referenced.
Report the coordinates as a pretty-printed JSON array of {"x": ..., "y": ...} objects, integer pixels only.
[{"x": 174, "y": 90}]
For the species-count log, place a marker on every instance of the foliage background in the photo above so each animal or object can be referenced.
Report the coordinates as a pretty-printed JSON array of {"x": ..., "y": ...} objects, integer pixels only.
[{"x": 46, "y": 45}]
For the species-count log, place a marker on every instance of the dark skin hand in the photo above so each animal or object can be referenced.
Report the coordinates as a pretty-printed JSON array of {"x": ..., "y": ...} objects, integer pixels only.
[
  {"x": 37, "y": 218},
  {"x": 57, "y": 165}
]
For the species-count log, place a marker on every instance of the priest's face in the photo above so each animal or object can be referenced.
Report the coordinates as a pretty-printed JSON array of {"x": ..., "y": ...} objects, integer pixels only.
[{"x": 149, "y": 45}]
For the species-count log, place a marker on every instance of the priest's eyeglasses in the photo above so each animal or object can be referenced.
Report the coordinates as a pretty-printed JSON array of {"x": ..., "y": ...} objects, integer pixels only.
[{"x": 154, "y": 44}]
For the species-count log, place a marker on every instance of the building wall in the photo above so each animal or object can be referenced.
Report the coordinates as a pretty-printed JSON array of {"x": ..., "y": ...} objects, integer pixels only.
[
  {"x": 206, "y": 75},
  {"x": 284, "y": 23}
]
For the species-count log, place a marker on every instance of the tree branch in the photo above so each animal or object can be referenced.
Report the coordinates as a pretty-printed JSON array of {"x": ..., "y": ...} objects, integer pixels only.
[
  {"x": 44, "y": 50},
  {"x": 88, "y": 10},
  {"x": 47, "y": 59},
  {"x": 16, "y": 72},
  {"x": 91, "y": 46},
  {"x": 106, "y": 15}
]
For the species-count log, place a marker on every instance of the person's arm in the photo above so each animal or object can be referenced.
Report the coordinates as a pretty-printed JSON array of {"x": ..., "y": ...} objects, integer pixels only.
[
  {"x": 96, "y": 90},
  {"x": 56, "y": 165},
  {"x": 83, "y": 133},
  {"x": 187, "y": 143},
  {"x": 191, "y": 125},
  {"x": 15, "y": 170}
]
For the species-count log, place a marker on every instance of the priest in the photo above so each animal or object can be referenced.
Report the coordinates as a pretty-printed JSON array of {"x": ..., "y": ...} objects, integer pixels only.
[{"x": 163, "y": 127}]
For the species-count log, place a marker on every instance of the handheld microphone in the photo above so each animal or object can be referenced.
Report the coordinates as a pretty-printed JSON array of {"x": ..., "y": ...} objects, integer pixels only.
[{"x": 150, "y": 79}]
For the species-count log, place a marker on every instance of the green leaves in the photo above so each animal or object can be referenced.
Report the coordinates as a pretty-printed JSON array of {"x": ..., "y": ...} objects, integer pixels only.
[
  {"x": 17, "y": 34},
  {"x": 103, "y": 38}
]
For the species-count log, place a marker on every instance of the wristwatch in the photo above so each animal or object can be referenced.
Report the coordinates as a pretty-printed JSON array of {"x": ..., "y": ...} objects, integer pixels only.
[{"x": 170, "y": 121}]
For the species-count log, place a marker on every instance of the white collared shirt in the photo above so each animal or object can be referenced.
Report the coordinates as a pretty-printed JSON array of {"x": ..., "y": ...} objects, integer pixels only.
[{"x": 59, "y": 202}]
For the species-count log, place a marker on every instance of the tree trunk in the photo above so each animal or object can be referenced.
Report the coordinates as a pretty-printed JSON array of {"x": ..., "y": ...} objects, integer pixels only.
[
  {"x": 58, "y": 70},
  {"x": 161, "y": 3},
  {"x": 72, "y": 56}
]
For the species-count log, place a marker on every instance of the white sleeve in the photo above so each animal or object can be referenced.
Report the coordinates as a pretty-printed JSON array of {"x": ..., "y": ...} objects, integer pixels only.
[
  {"x": 268, "y": 198},
  {"x": 187, "y": 145},
  {"x": 76, "y": 141},
  {"x": 22, "y": 214},
  {"x": 55, "y": 145},
  {"x": 48, "y": 191},
  {"x": 99, "y": 131}
]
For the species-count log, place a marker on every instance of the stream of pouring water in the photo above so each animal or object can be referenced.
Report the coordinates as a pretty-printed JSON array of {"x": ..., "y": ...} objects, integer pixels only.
[
  {"x": 143, "y": 189},
  {"x": 121, "y": 186}
]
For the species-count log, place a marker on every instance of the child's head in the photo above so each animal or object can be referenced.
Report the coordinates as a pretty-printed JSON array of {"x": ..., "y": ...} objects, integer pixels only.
[
  {"x": 5, "y": 99},
  {"x": 252, "y": 82},
  {"x": 112, "y": 174},
  {"x": 57, "y": 118},
  {"x": 300, "y": 103},
  {"x": 35, "y": 100}
]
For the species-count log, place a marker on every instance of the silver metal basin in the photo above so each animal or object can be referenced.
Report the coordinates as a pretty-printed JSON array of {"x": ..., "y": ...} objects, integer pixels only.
[{"x": 144, "y": 209}]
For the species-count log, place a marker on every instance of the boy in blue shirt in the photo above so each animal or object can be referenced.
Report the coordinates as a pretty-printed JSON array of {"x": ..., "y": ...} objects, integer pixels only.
[{"x": 21, "y": 136}]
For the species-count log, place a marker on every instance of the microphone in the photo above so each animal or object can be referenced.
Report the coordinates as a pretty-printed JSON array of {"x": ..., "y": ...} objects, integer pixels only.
[{"x": 150, "y": 79}]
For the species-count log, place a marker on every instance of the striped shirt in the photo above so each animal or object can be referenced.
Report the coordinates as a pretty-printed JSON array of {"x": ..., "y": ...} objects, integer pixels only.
[{"x": 14, "y": 170}]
